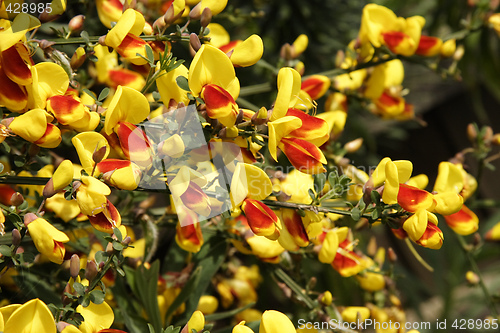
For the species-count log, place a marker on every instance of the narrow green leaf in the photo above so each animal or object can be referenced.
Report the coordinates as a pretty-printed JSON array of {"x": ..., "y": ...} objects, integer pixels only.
[
  {"x": 295, "y": 287},
  {"x": 90, "y": 93},
  {"x": 79, "y": 288},
  {"x": 146, "y": 284},
  {"x": 150, "y": 55},
  {"x": 97, "y": 296},
  {"x": 355, "y": 214},
  {"x": 118, "y": 234},
  {"x": 5, "y": 250},
  {"x": 104, "y": 93},
  {"x": 85, "y": 36},
  {"x": 319, "y": 182},
  {"x": 227, "y": 314},
  {"x": 182, "y": 82}
]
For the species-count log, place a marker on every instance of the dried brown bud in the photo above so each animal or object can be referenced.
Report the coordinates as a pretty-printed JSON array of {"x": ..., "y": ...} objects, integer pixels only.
[
  {"x": 286, "y": 52},
  {"x": 127, "y": 240},
  {"x": 76, "y": 23},
  {"x": 488, "y": 134}
]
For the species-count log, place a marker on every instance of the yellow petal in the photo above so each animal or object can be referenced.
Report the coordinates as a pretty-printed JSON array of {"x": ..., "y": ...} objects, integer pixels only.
[
  {"x": 196, "y": 322},
  {"x": 249, "y": 181},
  {"x": 131, "y": 22},
  {"x": 86, "y": 144},
  {"x": 49, "y": 79},
  {"x": 241, "y": 328},
  {"x": 329, "y": 249},
  {"x": 288, "y": 89},
  {"x": 96, "y": 317},
  {"x": 31, "y": 125},
  {"x": 416, "y": 224},
  {"x": 449, "y": 178},
  {"x": 248, "y": 52},
  {"x": 218, "y": 35},
  {"x": 63, "y": 175},
  {"x": 448, "y": 203},
  {"x": 168, "y": 87},
  {"x": 274, "y": 321},
  {"x": 32, "y": 317},
  {"x": 21, "y": 24}
]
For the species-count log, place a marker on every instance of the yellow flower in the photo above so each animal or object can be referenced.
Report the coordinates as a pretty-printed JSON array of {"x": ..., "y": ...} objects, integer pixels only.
[
  {"x": 91, "y": 195},
  {"x": 47, "y": 239},
  {"x": 288, "y": 89},
  {"x": 196, "y": 322},
  {"x": 123, "y": 37},
  {"x": 391, "y": 174}
]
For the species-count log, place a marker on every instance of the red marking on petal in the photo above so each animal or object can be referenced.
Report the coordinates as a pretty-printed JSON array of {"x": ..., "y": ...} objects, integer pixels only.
[
  {"x": 130, "y": 46},
  {"x": 261, "y": 218},
  {"x": 312, "y": 127},
  {"x": 294, "y": 225},
  {"x": 218, "y": 101},
  {"x": 428, "y": 45},
  {"x": 122, "y": 77},
  {"x": 15, "y": 61},
  {"x": 400, "y": 233},
  {"x": 67, "y": 109},
  {"x": 315, "y": 86},
  {"x": 111, "y": 164},
  {"x": 393, "y": 38},
  {"x": 12, "y": 95},
  {"x": 463, "y": 222},
  {"x": 106, "y": 220},
  {"x": 411, "y": 198},
  {"x": 303, "y": 155},
  {"x": 230, "y": 46},
  {"x": 195, "y": 199},
  {"x": 134, "y": 143}
]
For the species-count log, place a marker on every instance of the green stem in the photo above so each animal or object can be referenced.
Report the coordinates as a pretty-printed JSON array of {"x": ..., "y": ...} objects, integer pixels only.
[
  {"x": 295, "y": 288},
  {"x": 95, "y": 39},
  {"x": 475, "y": 269}
]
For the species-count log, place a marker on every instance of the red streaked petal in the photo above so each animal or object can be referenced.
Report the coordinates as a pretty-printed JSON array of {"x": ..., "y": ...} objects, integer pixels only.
[
  {"x": 261, "y": 218},
  {"x": 464, "y": 222},
  {"x": 411, "y": 198},
  {"x": 16, "y": 61},
  {"x": 316, "y": 86},
  {"x": 220, "y": 104},
  {"x": 433, "y": 237},
  {"x": 303, "y": 155},
  {"x": 106, "y": 220},
  {"x": 293, "y": 223},
  {"x": 67, "y": 109},
  {"x": 429, "y": 46},
  {"x": 130, "y": 46},
  {"x": 135, "y": 143},
  {"x": 6, "y": 193},
  {"x": 125, "y": 77},
  {"x": 189, "y": 237},
  {"x": 313, "y": 129},
  {"x": 51, "y": 138},
  {"x": 12, "y": 96},
  {"x": 195, "y": 199}
]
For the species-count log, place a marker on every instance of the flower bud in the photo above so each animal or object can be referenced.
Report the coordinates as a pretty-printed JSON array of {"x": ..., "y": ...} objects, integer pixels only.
[
  {"x": 393, "y": 257},
  {"x": 286, "y": 52},
  {"x": 74, "y": 266},
  {"x": 472, "y": 278},
  {"x": 326, "y": 298},
  {"x": 28, "y": 218},
  {"x": 354, "y": 145},
  {"x": 17, "y": 199},
  {"x": 206, "y": 17},
  {"x": 260, "y": 117},
  {"x": 48, "y": 189},
  {"x": 471, "y": 133},
  {"x": 78, "y": 58},
  {"x": 76, "y": 23},
  {"x": 90, "y": 270},
  {"x": 371, "y": 248},
  {"x": 459, "y": 53},
  {"x": 16, "y": 237},
  {"x": 194, "y": 42},
  {"x": 99, "y": 154},
  {"x": 159, "y": 24},
  {"x": 488, "y": 134}
]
